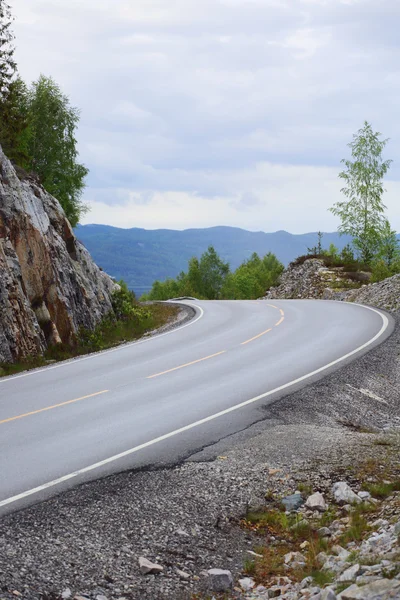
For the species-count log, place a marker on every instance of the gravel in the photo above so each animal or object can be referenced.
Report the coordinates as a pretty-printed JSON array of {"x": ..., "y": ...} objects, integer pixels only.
[{"x": 186, "y": 518}]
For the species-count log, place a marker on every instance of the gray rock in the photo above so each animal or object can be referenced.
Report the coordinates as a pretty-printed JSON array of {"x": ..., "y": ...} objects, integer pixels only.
[
  {"x": 183, "y": 575},
  {"x": 66, "y": 594},
  {"x": 342, "y": 553},
  {"x": 397, "y": 529},
  {"x": 148, "y": 567},
  {"x": 328, "y": 594},
  {"x": 343, "y": 494},
  {"x": 350, "y": 574},
  {"x": 324, "y": 532},
  {"x": 294, "y": 557},
  {"x": 383, "y": 589},
  {"x": 364, "y": 495},
  {"x": 219, "y": 580},
  {"x": 247, "y": 584},
  {"x": 293, "y": 502},
  {"x": 316, "y": 502}
]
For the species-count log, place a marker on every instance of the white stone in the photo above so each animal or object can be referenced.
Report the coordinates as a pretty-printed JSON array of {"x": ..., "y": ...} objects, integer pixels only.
[
  {"x": 383, "y": 589},
  {"x": 350, "y": 574},
  {"x": 343, "y": 494},
  {"x": 316, "y": 502},
  {"x": 247, "y": 584},
  {"x": 364, "y": 495},
  {"x": 148, "y": 567}
]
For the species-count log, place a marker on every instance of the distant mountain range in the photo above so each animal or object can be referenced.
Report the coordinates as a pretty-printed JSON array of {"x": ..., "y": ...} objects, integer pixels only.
[{"x": 140, "y": 256}]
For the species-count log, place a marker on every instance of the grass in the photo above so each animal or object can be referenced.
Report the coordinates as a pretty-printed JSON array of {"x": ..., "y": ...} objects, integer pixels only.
[
  {"x": 305, "y": 488},
  {"x": 249, "y": 567},
  {"x": 381, "y": 490},
  {"x": 358, "y": 524},
  {"x": 109, "y": 333}
]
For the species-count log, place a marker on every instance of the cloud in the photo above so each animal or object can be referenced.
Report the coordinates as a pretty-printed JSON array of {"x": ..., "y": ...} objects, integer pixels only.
[{"x": 212, "y": 104}]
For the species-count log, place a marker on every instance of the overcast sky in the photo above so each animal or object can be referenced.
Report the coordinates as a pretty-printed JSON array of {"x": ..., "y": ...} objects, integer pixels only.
[{"x": 219, "y": 112}]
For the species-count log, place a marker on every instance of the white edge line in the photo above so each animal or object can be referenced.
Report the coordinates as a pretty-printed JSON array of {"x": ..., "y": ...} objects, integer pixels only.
[
  {"x": 73, "y": 361},
  {"x": 166, "y": 436}
]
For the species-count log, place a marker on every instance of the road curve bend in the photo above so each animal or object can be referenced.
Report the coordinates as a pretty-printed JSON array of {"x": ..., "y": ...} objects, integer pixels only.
[{"x": 155, "y": 401}]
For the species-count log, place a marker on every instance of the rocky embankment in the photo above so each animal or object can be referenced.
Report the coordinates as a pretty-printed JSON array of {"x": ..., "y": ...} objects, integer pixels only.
[
  {"x": 312, "y": 279},
  {"x": 49, "y": 284}
]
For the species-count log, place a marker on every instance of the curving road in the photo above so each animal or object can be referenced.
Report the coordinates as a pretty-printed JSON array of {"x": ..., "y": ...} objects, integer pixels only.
[{"x": 156, "y": 401}]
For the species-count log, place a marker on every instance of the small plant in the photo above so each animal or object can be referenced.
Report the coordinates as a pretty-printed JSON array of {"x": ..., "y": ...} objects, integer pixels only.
[
  {"x": 322, "y": 578},
  {"x": 382, "y": 490},
  {"x": 249, "y": 567},
  {"x": 305, "y": 488},
  {"x": 358, "y": 525}
]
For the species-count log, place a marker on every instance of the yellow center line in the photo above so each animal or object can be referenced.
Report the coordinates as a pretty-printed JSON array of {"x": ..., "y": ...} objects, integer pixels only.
[
  {"x": 186, "y": 365},
  {"x": 267, "y": 330},
  {"x": 255, "y": 337},
  {"x": 36, "y": 412}
]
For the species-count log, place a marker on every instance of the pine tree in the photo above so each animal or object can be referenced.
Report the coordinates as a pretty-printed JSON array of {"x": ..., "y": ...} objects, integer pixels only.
[{"x": 8, "y": 66}]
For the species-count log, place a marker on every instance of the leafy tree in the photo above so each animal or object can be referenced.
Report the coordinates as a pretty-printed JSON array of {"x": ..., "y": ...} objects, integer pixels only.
[
  {"x": 8, "y": 66},
  {"x": 52, "y": 146},
  {"x": 389, "y": 246},
  {"x": 14, "y": 122},
  {"x": 361, "y": 213},
  {"x": 212, "y": 272}
]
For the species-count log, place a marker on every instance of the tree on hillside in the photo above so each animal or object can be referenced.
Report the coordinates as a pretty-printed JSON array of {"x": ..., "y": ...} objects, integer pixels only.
[
  {"x": 8, "y": 66},
  {"x": 389, "y": 250},
  {"x": 14, "y": 122},
  {"x": 361, "y": 213},
  {"x": 212, "y": 271},
  {"x": 52, "y": 146}
]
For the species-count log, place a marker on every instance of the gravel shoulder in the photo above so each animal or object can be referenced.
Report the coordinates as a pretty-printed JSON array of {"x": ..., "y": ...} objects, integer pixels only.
[{"x": 187, "y": 518}]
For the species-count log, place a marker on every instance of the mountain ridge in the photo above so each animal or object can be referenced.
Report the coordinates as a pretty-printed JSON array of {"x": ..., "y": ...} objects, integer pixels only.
[{"x": 140, "y": 256}]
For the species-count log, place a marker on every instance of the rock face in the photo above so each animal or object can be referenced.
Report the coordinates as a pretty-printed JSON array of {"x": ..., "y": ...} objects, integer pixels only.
[
  {"x": 312, "y": 279},
  {"x": 384, "y": 294},
  {"x": 49, "y": 284}
]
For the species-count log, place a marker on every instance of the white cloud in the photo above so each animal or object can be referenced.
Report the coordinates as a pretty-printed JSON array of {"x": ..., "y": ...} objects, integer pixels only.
[{"x": 211, "y": 105}]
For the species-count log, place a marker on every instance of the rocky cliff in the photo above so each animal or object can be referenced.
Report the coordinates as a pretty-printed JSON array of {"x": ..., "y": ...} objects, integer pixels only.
[
  {"x": 311, "y": 278},
  {"x": 49, "y": 285}
]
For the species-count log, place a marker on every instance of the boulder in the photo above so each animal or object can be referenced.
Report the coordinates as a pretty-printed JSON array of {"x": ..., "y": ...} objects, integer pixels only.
[
  {"x": 382, "y": 589},
  {"x": 343, "y": 494},
  {"x": 316, "y": 502},
  {"x": 293, "y": 502},
  {"x": 219, "y": 580}
]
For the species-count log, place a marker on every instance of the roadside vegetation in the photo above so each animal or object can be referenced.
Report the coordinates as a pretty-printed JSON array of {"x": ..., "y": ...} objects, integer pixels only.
[
  {"x": 374, "y": 253},
  {"x": 129, "y": 320},
  {"x": 210, "y": 278},
  {"x": 280, "y": 532},
  {"x": 37, "y": 128}
]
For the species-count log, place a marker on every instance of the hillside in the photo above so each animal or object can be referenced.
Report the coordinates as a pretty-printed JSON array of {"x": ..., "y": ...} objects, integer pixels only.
[{"x": 140, "y": 256}]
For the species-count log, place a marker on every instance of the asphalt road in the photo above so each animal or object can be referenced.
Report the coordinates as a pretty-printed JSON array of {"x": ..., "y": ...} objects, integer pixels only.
[{"x": 156, "y": 401}]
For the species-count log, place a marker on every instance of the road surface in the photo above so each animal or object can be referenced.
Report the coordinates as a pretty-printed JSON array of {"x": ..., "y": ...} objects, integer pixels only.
[{"x": 156, "y": 401}]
